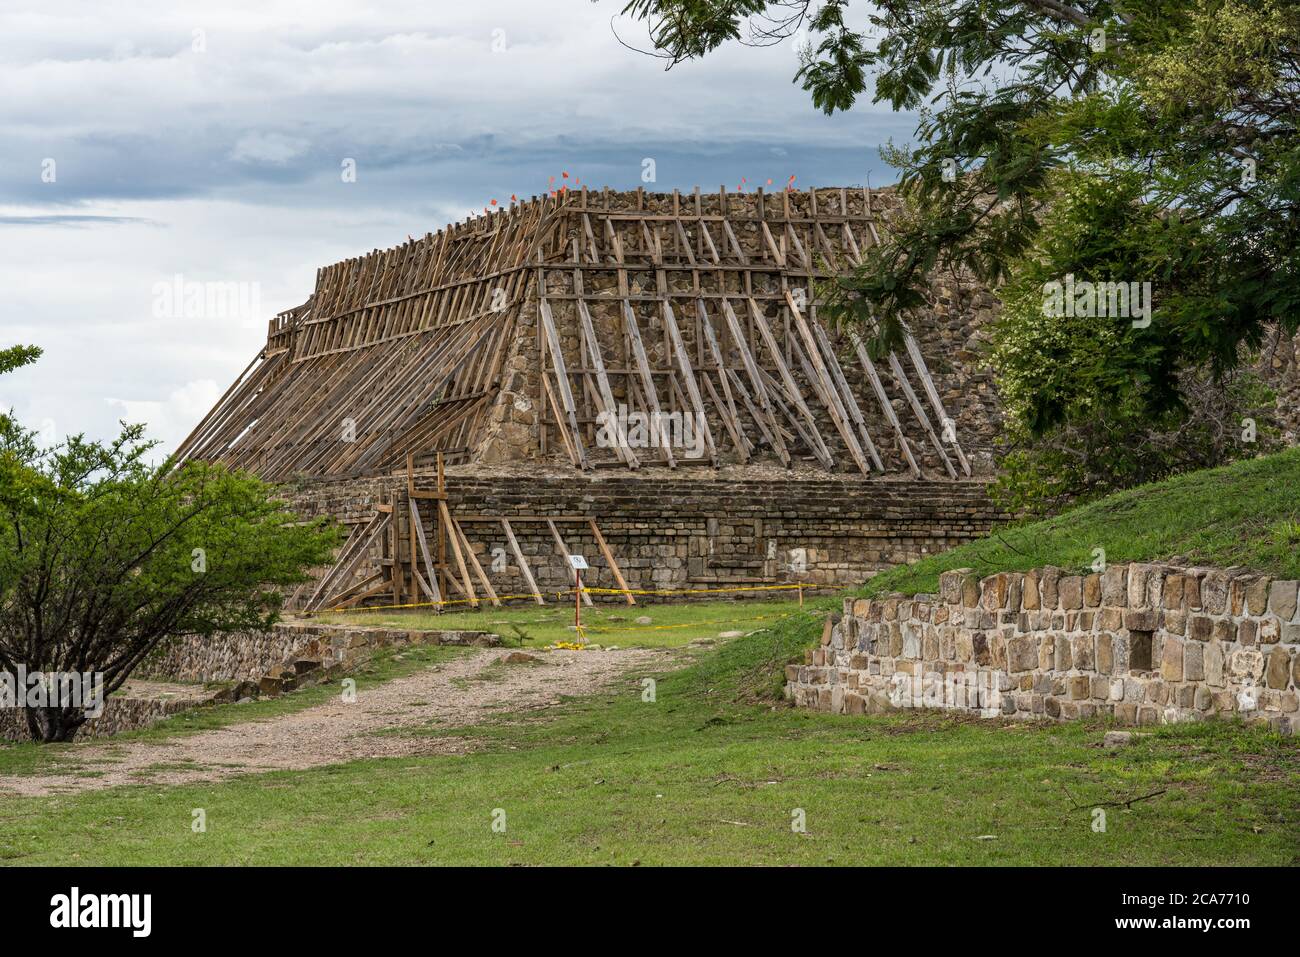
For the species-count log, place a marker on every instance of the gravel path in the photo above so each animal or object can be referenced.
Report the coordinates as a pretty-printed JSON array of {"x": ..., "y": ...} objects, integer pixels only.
[{"x": 452, "y": 694}]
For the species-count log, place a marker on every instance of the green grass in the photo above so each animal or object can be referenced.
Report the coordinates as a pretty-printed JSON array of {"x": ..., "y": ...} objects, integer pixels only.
[
  {"x": 711, "y": 773},
  {"x": 1246, "y": 513},
  {"x": 671, "y": 626}
]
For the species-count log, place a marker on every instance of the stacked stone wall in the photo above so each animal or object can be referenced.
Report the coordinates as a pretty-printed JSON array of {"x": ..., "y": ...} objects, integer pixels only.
[
  {"x": 687, "y": 533},
  {"x": 1142, "y": 644}
]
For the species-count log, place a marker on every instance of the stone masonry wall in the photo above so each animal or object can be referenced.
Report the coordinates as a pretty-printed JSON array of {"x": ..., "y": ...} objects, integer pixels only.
[
  {"x": 1143, "y": 644},
  {"x": 673, "y": 533},
  {"x": 288, "y": 648},
  {"x": 119, "y": 714},
  {"x": 290, "y": 654}
]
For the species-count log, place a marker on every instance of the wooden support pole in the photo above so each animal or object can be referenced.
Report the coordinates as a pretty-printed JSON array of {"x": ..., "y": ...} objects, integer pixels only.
[
  {"x": 474, "y": 562},
  {"x": 918, "y": 362},
  {"x": 563, "y": 549},
  {"x": 418, "y": 524},
  {"x": 882, "y": 398},
  {"x": 609, "y": 559},
  {"x": 792, "y": 390},
  {"x": 452, "y": 534},
  {"x": 830, "y": 392},
  {"x": 647, "y": 382},
  {"x": 519, "y": 560},
  {"x": 688, "y": 377},
  {"x": 562, "y": 380}
]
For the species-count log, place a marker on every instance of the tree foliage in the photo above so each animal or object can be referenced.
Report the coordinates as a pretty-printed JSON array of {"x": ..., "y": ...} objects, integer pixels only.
[
  {"x": 1113, "y": 140},
  {"x": 103, "y": 556}
]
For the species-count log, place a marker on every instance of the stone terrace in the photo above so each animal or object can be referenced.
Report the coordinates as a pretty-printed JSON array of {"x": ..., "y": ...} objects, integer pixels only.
[{"x": 1142, "y": 644}]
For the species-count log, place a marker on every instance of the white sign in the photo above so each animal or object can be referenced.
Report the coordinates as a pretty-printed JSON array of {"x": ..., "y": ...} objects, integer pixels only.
[{"x": 578, "y": 563}]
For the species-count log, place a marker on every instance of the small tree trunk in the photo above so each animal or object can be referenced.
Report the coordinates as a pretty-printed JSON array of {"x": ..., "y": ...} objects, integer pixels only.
[{"x": 48, "y": 725}]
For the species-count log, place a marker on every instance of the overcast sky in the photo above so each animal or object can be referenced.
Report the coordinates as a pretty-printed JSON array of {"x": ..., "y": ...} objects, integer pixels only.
[{"x": 145, "y": 141}]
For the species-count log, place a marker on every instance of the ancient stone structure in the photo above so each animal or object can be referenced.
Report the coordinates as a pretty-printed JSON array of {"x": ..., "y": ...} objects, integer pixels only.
[
  {"x": 673, "y": 532},
  {"x": 1144, "y": 644},
  {"x": 522, "y": 335},
  {"x": 652, "y": 369}
]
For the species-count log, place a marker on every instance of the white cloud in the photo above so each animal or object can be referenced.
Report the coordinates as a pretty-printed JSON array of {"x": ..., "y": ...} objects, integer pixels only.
[
  {"x": 274, "y": 148},
  {"x": 171, "y": 419}
]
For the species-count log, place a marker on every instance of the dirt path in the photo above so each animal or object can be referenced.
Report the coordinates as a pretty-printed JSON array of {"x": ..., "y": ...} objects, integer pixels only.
[{"x": 460, "y": 692}]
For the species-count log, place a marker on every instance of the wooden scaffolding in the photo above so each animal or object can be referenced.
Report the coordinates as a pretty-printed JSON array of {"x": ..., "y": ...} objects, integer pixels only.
[
  {"x": 392, "y": 560},
  {"x": 587, "y": 309}
]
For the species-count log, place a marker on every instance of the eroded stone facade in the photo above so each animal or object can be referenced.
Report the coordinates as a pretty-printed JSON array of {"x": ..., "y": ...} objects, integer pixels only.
[{"x": 686, "y": 533}]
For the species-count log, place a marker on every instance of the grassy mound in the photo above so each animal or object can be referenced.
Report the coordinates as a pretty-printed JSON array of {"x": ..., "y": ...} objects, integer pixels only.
[{"x": 1246, "y": 513}]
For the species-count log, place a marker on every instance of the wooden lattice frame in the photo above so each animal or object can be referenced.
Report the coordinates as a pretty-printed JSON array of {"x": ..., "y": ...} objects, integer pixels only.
[{"x": 401, "y": 352}]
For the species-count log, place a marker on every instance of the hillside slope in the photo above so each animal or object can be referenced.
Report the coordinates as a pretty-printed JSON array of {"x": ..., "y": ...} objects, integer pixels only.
[{"x": 1246, "y": 513}]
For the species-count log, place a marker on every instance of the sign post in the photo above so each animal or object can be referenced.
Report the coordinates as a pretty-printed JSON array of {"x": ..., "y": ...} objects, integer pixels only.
[{"x": 578, "y": 563}]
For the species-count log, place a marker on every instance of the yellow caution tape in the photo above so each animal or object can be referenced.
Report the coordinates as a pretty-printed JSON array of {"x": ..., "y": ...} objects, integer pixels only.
[{"x": 569, "y": 593}]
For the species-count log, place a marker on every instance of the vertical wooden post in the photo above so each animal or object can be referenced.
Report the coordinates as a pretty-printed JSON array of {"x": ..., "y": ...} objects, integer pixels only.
[
  {"x": 445, "y": 587},
  {"x": 411, "y": 543},
  {"x": 577, "y": 601}
]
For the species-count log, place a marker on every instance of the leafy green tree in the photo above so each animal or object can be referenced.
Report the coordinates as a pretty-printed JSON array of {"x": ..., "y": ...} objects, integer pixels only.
[
  {"x": 1185, "y": 110},
  {"x": 1079, "y": 424},
  {"x": 103, "y": 556}
]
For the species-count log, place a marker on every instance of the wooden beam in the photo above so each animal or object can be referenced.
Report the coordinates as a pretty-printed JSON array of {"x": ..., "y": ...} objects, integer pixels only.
[
  {"x": 609, "y": 559},
  {"x": 647, "y": 381},
  {"x": 563, "y": 549},
  {"x": 688, "y": 375},
  {"x": 467, "y": 586},
  {"x": 846, "y": 392},
  {"x": 882, "y": 398},
  {"x": 755, "y": 380},
  {"x": 830, "y": 391},
  {"x": 519, "y": 560},
  {"x": 418, "y": 524},
  {"x": 728, "y": 412},
  {"x": 918, "y": 410},
  {"x": 918, "y": 361},
  {"x": 792, "y": 390},
  {"x": 614, "y": 425},
  {"x": 562, "y": 378},
  {"x": 473, "y": 560}
]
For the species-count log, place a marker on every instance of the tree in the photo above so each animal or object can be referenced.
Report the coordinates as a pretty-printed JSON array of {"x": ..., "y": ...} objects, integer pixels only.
[
  {"x": 103, "y": 556},
  {"x": 1186, "y": 108}
]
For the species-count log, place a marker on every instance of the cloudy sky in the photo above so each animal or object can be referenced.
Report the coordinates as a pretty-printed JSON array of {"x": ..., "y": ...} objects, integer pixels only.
[{"x": 158, "y": 142}]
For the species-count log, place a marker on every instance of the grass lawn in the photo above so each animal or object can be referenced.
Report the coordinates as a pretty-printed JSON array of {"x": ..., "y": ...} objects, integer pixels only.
[
  {"x": 714, "y": 771},
  {"x": 605, "y": 624}
]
